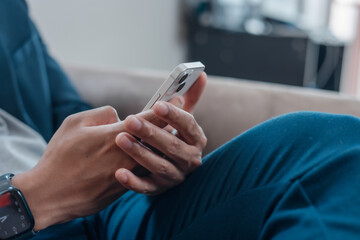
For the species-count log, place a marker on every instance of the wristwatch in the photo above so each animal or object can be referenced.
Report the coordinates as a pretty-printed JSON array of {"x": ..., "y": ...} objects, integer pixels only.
[{"x": 16, "y": 220}]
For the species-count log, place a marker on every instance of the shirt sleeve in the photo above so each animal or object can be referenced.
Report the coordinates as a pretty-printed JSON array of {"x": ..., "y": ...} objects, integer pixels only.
[{"x": 65, "y": 98}]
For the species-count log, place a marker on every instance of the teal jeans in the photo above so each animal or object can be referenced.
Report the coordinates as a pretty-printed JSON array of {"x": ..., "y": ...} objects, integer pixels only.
[{"x": 293, "y": 177}]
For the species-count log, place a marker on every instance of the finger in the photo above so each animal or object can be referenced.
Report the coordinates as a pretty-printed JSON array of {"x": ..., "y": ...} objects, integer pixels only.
[
  {"x": 149, "y": 115},
  {"x": 184, "y": 155},
  {"x": 178, "y": 101},
  {"x": 149, "y": 185},
  {"x": 95, "y": 117},
  {"x": 144, "y": 185},
  {"x": 170, "y": 129},
  {"x": 183, "y": 122},
  {"x": 193, "y": 95},
  {"x": 157, "y": 165}
]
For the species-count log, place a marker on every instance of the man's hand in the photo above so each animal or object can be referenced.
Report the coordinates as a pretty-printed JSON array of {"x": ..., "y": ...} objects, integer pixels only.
[
  {"x": 183, "y": 153},
  {"x": 193, "y": 95},
  {"x": 76, "y": 175},
  {"x": 184, "y": 150}
]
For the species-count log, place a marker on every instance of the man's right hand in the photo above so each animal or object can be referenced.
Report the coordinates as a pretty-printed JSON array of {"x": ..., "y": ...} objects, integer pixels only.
[{"x": 76, "y": 175}]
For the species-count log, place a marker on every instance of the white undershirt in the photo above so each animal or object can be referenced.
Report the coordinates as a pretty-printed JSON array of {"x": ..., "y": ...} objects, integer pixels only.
[{"x": 20, "y": 146}]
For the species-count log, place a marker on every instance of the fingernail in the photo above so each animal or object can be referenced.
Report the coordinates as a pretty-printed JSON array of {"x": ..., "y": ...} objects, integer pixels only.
[
  {"x": 135, "y": 124},
  {"x": 162, "y": 109},
  {"x": 126, "y": 143}
]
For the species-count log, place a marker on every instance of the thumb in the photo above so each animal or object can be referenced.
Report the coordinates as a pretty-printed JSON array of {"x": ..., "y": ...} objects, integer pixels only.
[
  {"x": 194, "y": 93},
  {"x": 149, "y": 115}
]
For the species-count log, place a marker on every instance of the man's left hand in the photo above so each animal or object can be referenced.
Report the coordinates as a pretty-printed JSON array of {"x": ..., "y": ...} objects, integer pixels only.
[
  {"x": 184, "y": 150},
  {"x": 182, "y": 153}
]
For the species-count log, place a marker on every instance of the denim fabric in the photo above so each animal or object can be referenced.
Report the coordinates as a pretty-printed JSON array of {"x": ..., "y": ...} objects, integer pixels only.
[{"x": 293, "y": 177}]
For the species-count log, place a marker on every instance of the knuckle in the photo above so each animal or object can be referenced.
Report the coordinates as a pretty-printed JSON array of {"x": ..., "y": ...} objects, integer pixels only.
[
  {"x": 127, "y": 120},
  {"x": 145, "y": 190},
  {"x": 196, "y": 160},
  {"x": 110, "y": 111},
  {"x": 72, "y": 119},
  {"x": 138, "y": 152},
  {"x": 149, "y": 132},
  {"x": 163, "y": 169},
  {"x": 177, "y": 178},
  {"x": 194, "y": 165},
  {"x": 197, "y": 163},
  {"x": 68, "y": 119},
  {"x": 203, "y": 141},
  {"x": 174, "y": 147}
]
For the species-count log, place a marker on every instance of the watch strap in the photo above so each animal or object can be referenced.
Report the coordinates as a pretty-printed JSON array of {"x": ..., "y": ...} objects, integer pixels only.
[{"x": 5, "y": 183}]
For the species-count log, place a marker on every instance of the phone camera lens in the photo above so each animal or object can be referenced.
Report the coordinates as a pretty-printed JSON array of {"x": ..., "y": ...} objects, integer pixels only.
[
  {"x": 180, "y": 87},
  {"x": 182, "y": 79}
]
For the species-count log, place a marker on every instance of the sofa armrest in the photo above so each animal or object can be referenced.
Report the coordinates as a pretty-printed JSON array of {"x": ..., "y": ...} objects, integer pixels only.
[{"x": 227, "y": 108}]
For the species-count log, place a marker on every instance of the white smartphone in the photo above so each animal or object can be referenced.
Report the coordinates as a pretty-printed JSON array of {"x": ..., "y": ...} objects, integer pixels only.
[{"x": 178, "y": 82}]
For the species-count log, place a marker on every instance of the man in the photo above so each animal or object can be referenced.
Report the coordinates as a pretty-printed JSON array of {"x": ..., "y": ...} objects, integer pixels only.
[
  {"x": 293, "y": 177},
  {"x": 37, "y": 92}
]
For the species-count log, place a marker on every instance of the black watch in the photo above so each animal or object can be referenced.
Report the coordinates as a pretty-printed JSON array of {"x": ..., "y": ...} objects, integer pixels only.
[{"x": 16, "y": 220}]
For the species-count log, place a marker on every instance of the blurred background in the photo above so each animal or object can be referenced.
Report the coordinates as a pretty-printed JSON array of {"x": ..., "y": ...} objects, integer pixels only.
[{"x": 309, "y": 43}]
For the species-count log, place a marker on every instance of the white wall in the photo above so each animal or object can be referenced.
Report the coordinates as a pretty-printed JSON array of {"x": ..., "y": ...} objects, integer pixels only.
[{"x": 111, "y": 33}]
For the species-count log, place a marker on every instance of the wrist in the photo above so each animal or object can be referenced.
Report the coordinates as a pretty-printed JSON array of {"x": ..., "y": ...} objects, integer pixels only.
[{"x": 29, "y": 185}]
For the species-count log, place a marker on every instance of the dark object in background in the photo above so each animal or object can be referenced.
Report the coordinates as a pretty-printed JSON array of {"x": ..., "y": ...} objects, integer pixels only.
[
  {"x": 285, "y": 55},
  {"x": 241, "y": 55},
  {"x": 328, "y": 68}
]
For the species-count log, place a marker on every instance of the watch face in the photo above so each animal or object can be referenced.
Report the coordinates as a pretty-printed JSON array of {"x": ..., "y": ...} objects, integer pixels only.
[{"x": 14, "y": 217}]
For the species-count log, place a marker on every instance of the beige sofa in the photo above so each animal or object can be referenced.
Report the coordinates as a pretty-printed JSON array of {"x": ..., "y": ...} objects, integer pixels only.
[{"x": 227, "y": 108}]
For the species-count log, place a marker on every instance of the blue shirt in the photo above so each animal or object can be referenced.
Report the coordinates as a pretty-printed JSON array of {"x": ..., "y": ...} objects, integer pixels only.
[{"x": 33, "y": 88}]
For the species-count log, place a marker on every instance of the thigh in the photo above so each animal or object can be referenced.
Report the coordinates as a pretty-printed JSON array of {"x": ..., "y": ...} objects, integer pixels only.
[
  {"x": 293, "y": 177},
  {"x": 274, "y": 181}
]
